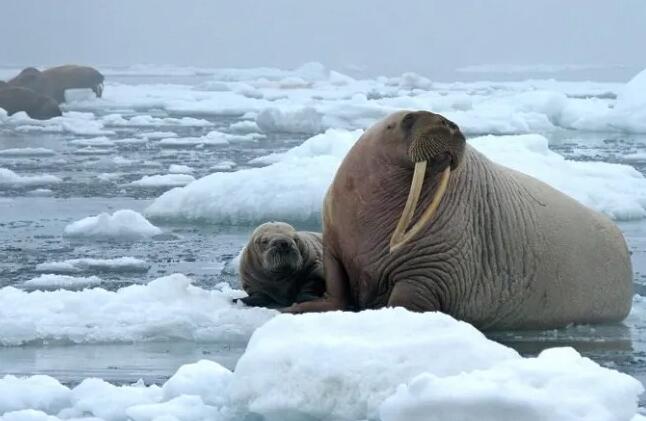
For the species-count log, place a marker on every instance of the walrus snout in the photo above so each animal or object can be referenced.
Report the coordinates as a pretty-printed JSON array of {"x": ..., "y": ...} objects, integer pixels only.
[{"x": 431, "y": 137}]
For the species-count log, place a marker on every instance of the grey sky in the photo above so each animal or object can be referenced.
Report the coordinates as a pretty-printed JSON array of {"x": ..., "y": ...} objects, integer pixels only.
[{"x": 382, "y": 37}]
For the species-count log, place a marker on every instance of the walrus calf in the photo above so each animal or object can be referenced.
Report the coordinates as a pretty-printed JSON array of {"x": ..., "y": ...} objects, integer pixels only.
[
  {"x": 55, "y": 81},
  {"x": 37, "y": 106},
  {"x": 281, "y": 266},
  {"x": 417, "y": 218}
]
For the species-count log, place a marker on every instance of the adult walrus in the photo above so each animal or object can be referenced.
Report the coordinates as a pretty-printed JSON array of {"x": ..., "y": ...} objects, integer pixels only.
[
  {"x": 486, "y": 244},
  {"x": 55, "y": 81},
  {"x": 281, "y": 266},
  {"x": 37, "y": 106}
]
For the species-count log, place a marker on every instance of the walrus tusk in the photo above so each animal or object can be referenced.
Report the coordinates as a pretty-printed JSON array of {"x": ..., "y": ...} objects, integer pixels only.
[
  {"x": 400, "y": 236},
  {"x": 98, "y": 90}
]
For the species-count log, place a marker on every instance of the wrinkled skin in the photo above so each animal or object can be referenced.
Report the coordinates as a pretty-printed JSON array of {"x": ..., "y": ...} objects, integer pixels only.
[
  {"x": 36, "y": 106},
  {"x": 55, "y": 81},
  {"x": 502, "y": 251},
  {"x": 281, "y": 266}
]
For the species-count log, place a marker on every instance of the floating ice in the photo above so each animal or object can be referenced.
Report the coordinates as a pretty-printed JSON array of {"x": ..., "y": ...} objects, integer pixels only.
[
  {"x": 52, "y": 280},
  {"x": 244, "y": 126},
  {"x": 557, "y": 385},
  {"x": 20, "y": 152},
  {"x": 123, "y": 224},
  {"x": 95, "y": 142},
  {"x": 168, "y": 308},
  {"x": 10, "y": 178},
  {"x": 387, "y": 364},
  {"x": 146, "y": 121},
  {"x": 180, "y": 169},
  {"x": 120, "y": 264},
  {"x": 305, "y": 120},
  {"x": 167, "y": 180},
  {"x": 290, "y": 189},
  {"x": 293, "y": 186}
]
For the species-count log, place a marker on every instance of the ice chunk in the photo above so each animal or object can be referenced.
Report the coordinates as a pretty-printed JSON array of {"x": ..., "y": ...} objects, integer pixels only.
[
  {"x": 168, "y": 308},
  {"x": 290, "y": 189},
  {"x": 557, "y": 385},
  {"x": 121, "y": 264},
  {"x": 180, "y": 169},
  {"x": 51, "y": 280},
  {"x": 94, "y": 142},
  {"x": 343, "y": 365},
  {"x": 20, "y": 152},
  {"x": 123, "y": 224},
  {"x": 10, "y": 178},
  {"x": 305, "y": 120},
  {"x": 205, "y": 378},
  {"x": 36, "y": 392},
  {"x": 167, "y": 180}
]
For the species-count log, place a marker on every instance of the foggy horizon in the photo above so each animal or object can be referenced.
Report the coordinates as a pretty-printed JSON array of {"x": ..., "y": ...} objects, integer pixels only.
[{"x": 370, "y": 38}]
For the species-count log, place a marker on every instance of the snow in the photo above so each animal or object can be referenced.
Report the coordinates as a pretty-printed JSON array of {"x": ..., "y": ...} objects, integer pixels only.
[
  {"x": 387, "y": 364},
  {"x": 343, "y": 365},
  {"x": 166, "y": 309},
  {"x": 293, "y": 184},
  {"x": 180, "y": 169},
  {"x": 52, "y": 280},
  {"x": 541, "y": 388},
  {"x": 290, "y": 189},
  {"x": 10, "y": 178},
  {"x": 123, "y": 224},
  {"x": 19, "y": 152},
  {"x": 94, "y": 142},
  {"x": 35, "y": 392},
  {"x": 305, "y": 120},
  {"x": 167, "y": 180},
  {"x": 120, "y": 264}
]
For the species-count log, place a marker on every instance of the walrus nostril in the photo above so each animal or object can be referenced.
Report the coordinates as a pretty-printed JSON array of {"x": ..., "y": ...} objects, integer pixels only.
[
  {"x": 280, "y": 244},
  {"x": 408, "y": 121}
]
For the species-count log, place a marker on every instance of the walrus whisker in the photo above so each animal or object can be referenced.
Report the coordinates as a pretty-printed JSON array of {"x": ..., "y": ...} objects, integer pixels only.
[{"x": 404, "y": 237}]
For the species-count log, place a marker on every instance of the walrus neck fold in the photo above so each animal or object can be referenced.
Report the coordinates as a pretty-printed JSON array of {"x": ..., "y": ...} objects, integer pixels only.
[{"x": 400, "y": 235}]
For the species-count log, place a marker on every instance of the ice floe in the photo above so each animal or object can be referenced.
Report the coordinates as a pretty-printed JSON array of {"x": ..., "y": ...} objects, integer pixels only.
[
  {"x": 387, "y": 365},
  {"x": 52, "y": 281},
  {"x": 119, "y": 264},
  {"x": 124, "y": 224},
  {"x": 20, "y": 152},
  {"x": 168, "y": 308},
  {"x": 10, "y": 178},
  {"x": 166, "y": 180}
]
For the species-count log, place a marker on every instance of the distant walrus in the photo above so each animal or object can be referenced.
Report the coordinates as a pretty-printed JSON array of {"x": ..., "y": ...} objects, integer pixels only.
[
  {"x": 281, "y": 266},
  {"x": 417, "y": 218},
  {"x": 55, "y": 81},
  {"x": 37, "y": 106}
]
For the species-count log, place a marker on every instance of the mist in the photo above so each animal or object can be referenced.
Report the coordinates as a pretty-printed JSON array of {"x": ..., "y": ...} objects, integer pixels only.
[{"x": 435, "y": 38}]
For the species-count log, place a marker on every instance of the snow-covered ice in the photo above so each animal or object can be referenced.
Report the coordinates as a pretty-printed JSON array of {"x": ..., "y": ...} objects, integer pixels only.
[
  {"x": 52, "y": 281},
  {"x": 290, "y": 189},
  {"x": 10, "y": 178},
  {"x": 120, "y": 264},
  {"x": 387, "y": 364},
  {"x": 180, "y": 169},
  {"x": 168, "y": 308},
  {"x": 166, "y": 180},
  {"x": 20, "y": 152},
  {"x": 124, "y": 224}
]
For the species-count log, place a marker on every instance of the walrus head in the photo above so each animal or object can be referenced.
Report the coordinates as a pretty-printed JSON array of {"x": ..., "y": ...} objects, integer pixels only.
[
  {"x": 276, "y": 243},
  {"x": 428, "y": 138}
]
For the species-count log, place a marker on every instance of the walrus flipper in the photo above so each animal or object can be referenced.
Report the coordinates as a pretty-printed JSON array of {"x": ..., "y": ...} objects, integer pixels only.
[{"x": 259, "y": 300}]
